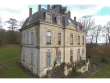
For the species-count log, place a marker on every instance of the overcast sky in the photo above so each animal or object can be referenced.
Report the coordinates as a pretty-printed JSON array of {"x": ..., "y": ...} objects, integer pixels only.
[{"x": 19, "y": 9}]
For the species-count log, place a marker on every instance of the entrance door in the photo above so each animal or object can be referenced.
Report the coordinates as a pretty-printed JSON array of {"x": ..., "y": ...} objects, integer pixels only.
[{"x": 71, "y": 55}]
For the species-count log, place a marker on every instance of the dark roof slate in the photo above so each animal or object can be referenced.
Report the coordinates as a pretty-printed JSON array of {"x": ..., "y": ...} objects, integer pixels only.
[{"x": 40, "y": 15}]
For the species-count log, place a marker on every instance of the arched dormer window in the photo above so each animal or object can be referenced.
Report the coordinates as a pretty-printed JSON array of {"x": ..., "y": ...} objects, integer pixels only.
[
  {"x": 48, "y": 17},
  {"x": 59, "y": 20}
]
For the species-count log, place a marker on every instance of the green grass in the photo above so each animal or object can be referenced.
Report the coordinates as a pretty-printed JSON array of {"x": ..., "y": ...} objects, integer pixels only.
[
  {"x": 9, "y": 52},
  {"x": 12, "y": 71},
  {"x": 104, "y": 72}
]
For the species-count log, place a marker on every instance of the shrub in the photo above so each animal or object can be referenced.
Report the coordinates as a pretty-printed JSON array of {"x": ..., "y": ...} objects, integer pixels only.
[
  {"x": 63, "y": 63},
  {"x": 73, "y": 73},
  {"x": 54, "y": 64},
  {"x": 104, "y": 59}
]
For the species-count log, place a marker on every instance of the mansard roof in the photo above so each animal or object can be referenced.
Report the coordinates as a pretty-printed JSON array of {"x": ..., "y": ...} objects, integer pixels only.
[{"x": 40, "y": 16}]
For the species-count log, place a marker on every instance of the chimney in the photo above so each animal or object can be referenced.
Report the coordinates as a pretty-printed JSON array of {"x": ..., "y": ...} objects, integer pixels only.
[
  {"x": 56, "y": 10},
  {"x": 69, "y": 13},
  {"x": 39, "y": 7},
  {"x": 30, "y": 11},
  {"x": 74, "y": 18},
  {"x": 48, "y": 7}
]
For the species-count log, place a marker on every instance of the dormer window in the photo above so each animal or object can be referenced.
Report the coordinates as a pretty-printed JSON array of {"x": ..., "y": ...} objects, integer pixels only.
[
  {"x": 49, "y": 17},
  {"x": 59, "y": 21},
  {"x": 69, "y": 20},
  {"x": 81, "y": 28},
  {"x": 29, "y": 21}
]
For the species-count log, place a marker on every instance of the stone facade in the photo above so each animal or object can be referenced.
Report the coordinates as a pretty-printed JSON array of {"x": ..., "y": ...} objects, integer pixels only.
[{"x": 34, "y": 57}]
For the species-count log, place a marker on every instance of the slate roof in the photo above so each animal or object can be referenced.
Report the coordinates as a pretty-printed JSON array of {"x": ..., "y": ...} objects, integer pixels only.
[{"x": 40, "y": 16}]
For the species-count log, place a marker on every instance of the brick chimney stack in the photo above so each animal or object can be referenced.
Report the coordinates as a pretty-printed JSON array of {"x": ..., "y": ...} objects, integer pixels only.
[
  {"x": 30, "y": 11},
  {"x": 39, "y": 7},
  {"x": 74, "y": 18},
  {"x": 48, "y": 7}
]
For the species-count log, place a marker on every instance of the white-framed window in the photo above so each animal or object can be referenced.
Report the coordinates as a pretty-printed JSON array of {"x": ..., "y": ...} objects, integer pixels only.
[
  {"x": 23, "y": 39},
  {"x": 83, "y": 52},
  {"x": 48, "y": 59},
  {"x": 69, "y": 21},
  {"x": 71, "y": 39},
  {"x": 71, "y": 55},
  {"x": 59, "y": 38},
  {"x": 23, "y": 55},
  {"x": 32, "y": 57},
  {"x": 59, "y": 21},
  {"x": 78, "y": 40},
  {"x": 78, "y": 55},
  {"x": 27, "y": 38},
  {"x": 48, "y": 37},
  {"x": 83, "y": 40},
  {"x": 29, "y": 21},
  {"x": 32, "y": 37},
  {"x": 48, "y": 17}
]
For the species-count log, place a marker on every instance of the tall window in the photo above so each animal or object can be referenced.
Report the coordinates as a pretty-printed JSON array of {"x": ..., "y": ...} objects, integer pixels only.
[
  {"x": 59, "y": 38},
  {"x": 58, "y": 57},
  {"x": 83, "y": 52},
  {"x": 48, "y": 17},
  {"x": 83, "y": 40},
  {"x": 32, "y": 57},
  {"x": 48, "y": 59},
  {"x": 71, "y": 39},
  {"x": 71, "y": 55},
  {"x": 48, "y": 39},
  {"x": 78, "y": 55},
  {"x": 32, "y": 38},
  {"x": 23, "y": 39},
  {"x": 78, "y": 40},
  {"x": 23, "y": 55},
  {"x": 27, "y": 38}
]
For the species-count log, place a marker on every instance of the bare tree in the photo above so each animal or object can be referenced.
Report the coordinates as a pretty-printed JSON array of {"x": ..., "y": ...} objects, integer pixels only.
[
  {"x": 21, "y": 23},
  {"x": 0, "y": 22},
  {"x": 107, "y": 27},
  {"x": 2, "y": 36},
  {"x": 97, "y": 32},
  {"x": 13, "y": 24},
  {"x": 89, "y": 26}
]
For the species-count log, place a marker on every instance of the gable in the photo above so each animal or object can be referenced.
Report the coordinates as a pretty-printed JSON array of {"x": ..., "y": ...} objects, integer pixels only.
[{"x": 71, "y": 26}]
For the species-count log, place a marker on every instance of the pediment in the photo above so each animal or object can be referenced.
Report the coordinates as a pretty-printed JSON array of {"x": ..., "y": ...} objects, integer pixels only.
[{"x": 72, "y": 26}]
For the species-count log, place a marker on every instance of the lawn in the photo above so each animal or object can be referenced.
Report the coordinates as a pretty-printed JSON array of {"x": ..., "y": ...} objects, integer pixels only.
[
  {"x": 12, "y": 71},
  {"x": 8, "y": 56},
  {"x": 104, "y": 72},
  {"x": 9, "y": 52}
]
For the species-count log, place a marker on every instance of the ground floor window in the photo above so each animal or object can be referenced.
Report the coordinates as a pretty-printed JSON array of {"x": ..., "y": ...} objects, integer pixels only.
[
  {"x": 23, "y": 55},
  {"x": 78, "y": 55},
  {"x": 71, "y": 55},
  {"x": 32, "y": 57},
  {"x": 58, "y": 59},
  {"x": 48, "y": 59},
  {"x": 83, "y": 52}
]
